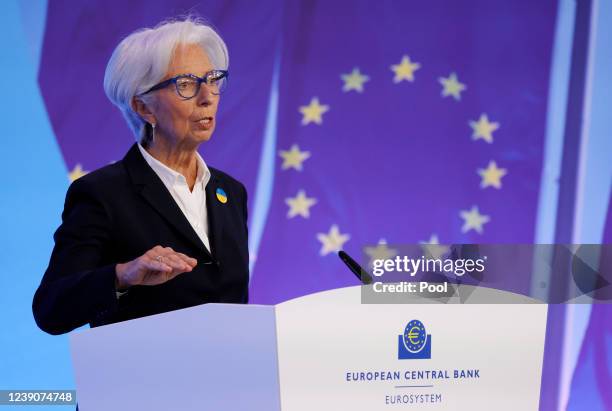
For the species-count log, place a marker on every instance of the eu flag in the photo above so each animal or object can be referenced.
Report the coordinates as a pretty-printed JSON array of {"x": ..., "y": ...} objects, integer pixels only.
[{"x": 402, "y": 122}]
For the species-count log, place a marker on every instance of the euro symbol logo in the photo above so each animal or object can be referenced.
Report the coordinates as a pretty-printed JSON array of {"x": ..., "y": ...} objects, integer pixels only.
[
  {"x": 413, "y": 335},
  {"x": 414, "y": 343}
]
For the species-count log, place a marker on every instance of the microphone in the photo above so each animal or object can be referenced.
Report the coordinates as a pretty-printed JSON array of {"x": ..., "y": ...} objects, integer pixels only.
[{"x": 361, "y": 274}]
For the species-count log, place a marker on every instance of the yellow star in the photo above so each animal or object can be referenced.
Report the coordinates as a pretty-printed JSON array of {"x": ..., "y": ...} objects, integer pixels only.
[
  {"x": 483, "y": 128},
  {"x": 380, "y": 252},
  {"x": 300, "y": 205},
  {"x": 293, "y": 158},
  {"x": 313, "y": 112},
  {"x": 433, "y": 247},
  {"x": 473, "y": 220},
  {"x": 333, "y": 241},
  {"x": 354, "y": 81},
  {"x": 405, "y": 70},
  {"x": 491, "y": 176},
  {"x": 452, "y": 86},
  {"x": 77, "y": 172}
]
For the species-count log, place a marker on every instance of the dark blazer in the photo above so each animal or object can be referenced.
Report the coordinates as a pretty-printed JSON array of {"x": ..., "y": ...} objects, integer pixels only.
[{"x": 117, "y": 213}]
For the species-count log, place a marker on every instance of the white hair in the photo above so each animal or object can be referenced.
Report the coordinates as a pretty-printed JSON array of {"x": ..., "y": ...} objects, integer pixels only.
[{"x": 141, "y": 60}]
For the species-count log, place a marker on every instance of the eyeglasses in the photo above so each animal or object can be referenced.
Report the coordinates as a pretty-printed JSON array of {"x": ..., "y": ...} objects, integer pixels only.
[{"x": 188, "y": 85}]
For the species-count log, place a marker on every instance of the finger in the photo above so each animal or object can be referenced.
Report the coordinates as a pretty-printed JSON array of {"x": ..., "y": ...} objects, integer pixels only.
[
  {"x": 166, "y": 251},
  {"x": 155, "y": 251},
  {"x": 191, "y": 261},
  {"x": 160, "y": 272},
  {"x": 175, "y": 262},
  {"x": 155, "y": 265}
]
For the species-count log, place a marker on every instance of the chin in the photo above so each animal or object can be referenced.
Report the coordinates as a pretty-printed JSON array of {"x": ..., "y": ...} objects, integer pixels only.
[{"x": 203, "y": 136}]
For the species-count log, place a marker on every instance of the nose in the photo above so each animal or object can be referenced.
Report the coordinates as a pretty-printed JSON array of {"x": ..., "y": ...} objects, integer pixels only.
[{"x": 205, "y": 96}]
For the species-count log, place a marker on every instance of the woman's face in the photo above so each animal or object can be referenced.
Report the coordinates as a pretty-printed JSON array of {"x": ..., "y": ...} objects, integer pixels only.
[{"x": 186, "y": 122}]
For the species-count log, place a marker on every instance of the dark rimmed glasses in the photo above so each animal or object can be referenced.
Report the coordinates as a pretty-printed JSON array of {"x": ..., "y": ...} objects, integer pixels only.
[{"x": 188, "y": 85}]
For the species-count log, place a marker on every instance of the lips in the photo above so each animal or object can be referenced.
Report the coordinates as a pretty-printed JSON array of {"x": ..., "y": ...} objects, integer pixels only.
[{"x": 205, "y": 123}]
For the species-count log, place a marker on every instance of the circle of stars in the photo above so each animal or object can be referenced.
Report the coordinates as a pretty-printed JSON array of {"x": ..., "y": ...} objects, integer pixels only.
[{"x": 356, "y": 81}]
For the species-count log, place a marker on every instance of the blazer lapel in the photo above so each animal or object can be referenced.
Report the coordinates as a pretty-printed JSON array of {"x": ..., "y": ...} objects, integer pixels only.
[
  {"x": 214, "y": 209},
  {"x": 158, "y": 196}
]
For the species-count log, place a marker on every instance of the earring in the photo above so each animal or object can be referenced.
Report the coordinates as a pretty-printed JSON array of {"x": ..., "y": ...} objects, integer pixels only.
[{"x": 152, "y": 132}]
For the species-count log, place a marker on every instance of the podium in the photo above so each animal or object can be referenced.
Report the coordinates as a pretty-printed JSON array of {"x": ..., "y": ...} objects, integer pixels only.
[{"x": 324, "y": 351}]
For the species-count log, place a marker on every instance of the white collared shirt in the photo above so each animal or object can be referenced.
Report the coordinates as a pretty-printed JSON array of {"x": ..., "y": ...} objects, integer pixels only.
[{"x": 191, "y": 203}]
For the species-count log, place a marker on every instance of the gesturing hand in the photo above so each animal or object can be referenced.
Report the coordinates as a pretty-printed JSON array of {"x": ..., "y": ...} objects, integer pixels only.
[{"x": 156, "y": 266}]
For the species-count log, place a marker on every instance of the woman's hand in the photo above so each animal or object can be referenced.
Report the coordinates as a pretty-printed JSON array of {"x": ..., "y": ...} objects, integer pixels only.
[{"x": 156, "y": 266}]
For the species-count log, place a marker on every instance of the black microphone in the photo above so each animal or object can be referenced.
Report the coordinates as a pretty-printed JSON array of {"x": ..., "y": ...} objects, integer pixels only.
[{"x": 362, "y": 274}]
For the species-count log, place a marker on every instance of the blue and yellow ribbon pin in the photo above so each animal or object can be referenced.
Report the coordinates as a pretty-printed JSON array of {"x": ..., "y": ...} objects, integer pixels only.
[{"x": 221, "y": 196}]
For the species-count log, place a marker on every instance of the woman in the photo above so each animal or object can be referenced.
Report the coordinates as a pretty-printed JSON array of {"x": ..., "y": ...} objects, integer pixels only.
[{"x": 158, "y": 230}]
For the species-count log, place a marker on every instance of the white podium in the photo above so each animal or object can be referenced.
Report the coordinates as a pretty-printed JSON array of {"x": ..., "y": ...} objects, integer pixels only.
[{"x": 324, "y": 351}]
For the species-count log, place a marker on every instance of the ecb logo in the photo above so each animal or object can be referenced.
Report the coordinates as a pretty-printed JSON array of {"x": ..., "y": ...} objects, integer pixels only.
[{"x": 415, "y": 343}]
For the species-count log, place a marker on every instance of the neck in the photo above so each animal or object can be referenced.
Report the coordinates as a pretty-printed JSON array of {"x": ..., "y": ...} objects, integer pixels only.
[{"x": 179, "y": 157}]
